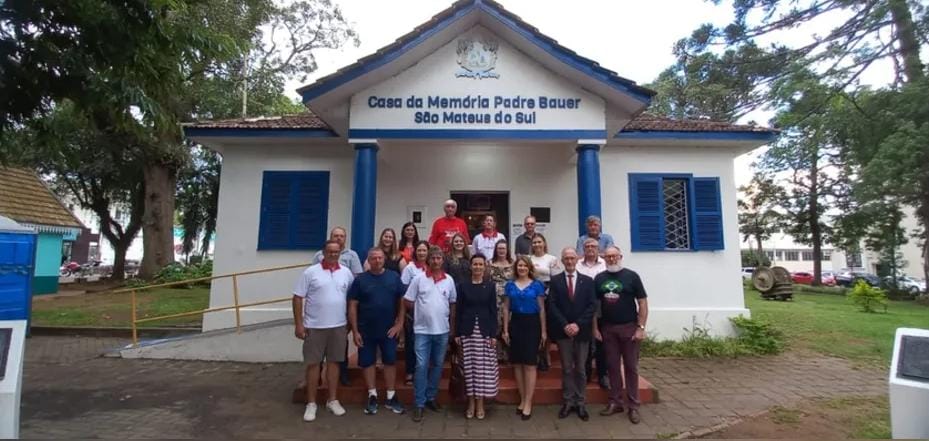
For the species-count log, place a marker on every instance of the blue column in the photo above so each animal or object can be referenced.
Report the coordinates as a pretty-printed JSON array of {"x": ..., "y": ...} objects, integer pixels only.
[
  {"x": 364, "y": 199},
  {"x": 588, "y": 184}
]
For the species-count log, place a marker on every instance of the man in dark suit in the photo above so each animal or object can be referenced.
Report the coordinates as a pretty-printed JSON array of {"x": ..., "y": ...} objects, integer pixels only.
[{"x": 571, "y": 308}]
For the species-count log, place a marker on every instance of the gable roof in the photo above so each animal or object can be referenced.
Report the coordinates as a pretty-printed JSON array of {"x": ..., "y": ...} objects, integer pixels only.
[
  {"x": 446, "y": 17},
  {"x": 643, "y": 123},
  {"x": 27, "y": 200}
]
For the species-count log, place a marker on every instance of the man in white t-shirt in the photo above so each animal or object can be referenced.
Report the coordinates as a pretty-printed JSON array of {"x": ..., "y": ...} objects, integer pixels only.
[
  {"x": 433, "y": 294},
  {"x": 485, "y": 241},
  {"x": 320, "y": 305}
]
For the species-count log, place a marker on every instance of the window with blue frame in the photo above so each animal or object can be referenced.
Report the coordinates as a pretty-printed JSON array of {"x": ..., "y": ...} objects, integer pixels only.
[
  {"x": 294, "y": 210},
  {"x": 675, "y": 212}
]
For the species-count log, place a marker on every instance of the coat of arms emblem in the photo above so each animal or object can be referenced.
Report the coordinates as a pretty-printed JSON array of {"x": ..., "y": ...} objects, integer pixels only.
[{"x": 477, "y": 59}]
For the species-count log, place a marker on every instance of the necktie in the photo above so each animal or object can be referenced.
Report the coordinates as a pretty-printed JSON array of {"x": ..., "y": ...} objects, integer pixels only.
[{"x": 571, "y": 286}]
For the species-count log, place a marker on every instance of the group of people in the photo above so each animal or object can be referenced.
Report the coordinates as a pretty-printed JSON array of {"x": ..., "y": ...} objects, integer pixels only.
[{"x": 493, "y": 305}]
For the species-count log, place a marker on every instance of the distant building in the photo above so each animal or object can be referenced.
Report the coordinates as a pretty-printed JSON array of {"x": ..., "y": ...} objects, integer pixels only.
[{"x": 27, "y": 200}]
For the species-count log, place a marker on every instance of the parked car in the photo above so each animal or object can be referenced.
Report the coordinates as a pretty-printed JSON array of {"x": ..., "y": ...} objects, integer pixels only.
[
  {"x": 802, "y": 277},
  {"x": 747, "y": 272},
  {"x": 852, "y": 277},
  {"x": 828, "y": 278},
  {"x": 907, "y": 283}
]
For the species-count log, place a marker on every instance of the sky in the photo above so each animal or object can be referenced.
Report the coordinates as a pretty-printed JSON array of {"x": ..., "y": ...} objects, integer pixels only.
[{"x": 633, "y": 38}]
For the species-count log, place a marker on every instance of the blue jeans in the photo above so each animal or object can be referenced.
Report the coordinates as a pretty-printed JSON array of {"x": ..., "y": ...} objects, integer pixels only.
[{"x": 430, "y": 349}]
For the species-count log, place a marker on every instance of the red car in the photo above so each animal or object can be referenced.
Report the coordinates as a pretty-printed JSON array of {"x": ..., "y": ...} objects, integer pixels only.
[{"x": 803, "y": 278}]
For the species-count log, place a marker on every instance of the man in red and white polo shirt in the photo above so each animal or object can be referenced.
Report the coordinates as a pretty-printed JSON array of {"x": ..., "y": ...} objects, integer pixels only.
[{"x": 320, "y": 304}]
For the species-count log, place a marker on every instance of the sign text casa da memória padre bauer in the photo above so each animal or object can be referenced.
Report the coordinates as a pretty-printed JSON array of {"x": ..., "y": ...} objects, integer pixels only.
[{"x": 475, "y": 109}]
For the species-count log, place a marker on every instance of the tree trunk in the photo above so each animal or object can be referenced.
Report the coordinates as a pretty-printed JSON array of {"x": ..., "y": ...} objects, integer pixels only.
[
  {"x": 815, "y": 232},
  {"x": 158, "y": 218},
  {"x": 760, "y": 249},
  {"x": 119, "y": 259},
  {"x": 906, "y": 37}
]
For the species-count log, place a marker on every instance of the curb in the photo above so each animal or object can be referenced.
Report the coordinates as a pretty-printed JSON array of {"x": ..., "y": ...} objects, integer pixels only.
[
  {"x": 698, "y": 433},
  {"x": 90, "y": 331}
]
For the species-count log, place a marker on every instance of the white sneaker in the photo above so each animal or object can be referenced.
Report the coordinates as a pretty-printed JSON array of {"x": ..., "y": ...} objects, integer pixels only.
[
  {"x": 309, "y": 415},
  {"x": 335, "y": 408}
]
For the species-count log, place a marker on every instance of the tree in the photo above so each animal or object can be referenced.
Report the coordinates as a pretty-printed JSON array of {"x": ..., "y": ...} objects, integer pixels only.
[
  {"x": 198, "y": 199},
  {"x": 813, "y": 163},
  {"x": 78, "y": 159},
  {"x": 139, "y": 68},
  {"x": 710, "y": 86},
  {"x": 758, "y": 214}
]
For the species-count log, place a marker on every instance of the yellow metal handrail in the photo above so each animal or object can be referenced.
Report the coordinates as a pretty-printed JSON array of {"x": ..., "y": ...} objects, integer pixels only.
[{"x": 235, "y": 298}]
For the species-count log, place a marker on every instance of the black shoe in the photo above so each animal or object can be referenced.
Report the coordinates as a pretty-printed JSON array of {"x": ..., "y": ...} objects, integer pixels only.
[
  {"x": 564, "y": 412},
  {"x": 611, "y": 409},
  {"x": 543, "y": 365},
  {"x": 525, "y": 416},
  {"x": 634, "y": 417},
  {"x": 582, "y": 413},
  {"x": 433, "y": 405},
  {"x": 344, "y": 380},
  {"x": 418, "y": 414},
  {"x": 604, "y": 383}
]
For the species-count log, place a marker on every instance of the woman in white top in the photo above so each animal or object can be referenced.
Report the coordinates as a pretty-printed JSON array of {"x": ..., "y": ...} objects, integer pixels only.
[
  {"x": 545, "y": 265},
  {"x": 414, "y": 269}
]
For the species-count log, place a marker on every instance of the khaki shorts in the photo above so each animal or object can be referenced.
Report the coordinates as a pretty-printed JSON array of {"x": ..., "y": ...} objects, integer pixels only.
[{"x": 329, "y": 344}]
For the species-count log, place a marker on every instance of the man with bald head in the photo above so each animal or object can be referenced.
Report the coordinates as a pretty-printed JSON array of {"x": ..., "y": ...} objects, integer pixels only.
[
  {"x": 446, "y": 227},
  {"x": 347, "y": 256}
]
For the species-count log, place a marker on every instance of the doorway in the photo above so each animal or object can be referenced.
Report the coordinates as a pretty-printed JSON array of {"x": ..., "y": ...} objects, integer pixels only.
[{"x": 474, "y": 205}]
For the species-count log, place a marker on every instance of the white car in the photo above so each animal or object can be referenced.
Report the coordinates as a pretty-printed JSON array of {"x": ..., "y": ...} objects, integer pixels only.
[{"x": 747, "y": 272}]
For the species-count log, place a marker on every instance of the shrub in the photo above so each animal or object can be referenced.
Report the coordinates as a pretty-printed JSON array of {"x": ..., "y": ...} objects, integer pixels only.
[
  {"x": 755, "y": 338},
  {"x": 867, "y": 298},
  {"x": 176, "y": 272}
]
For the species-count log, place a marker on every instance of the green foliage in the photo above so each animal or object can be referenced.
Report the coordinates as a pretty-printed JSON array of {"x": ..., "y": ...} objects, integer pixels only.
[
  {"x": 177, "y": 272},
  {"x": 867, "y": 298},
  {"x": 830, "y": 290},
  {"x": 198, "y": 199},
  {"x": 755, "y": 338},
  {"x": 759, "y": 216},
  {"x": 751, "y": 258}
]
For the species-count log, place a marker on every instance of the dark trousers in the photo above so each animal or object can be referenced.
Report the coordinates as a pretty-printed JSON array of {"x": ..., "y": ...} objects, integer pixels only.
[
  {"x": 597, "y": 354},
  {"x": 573, "y": 375},
  {"x": 409, "y": 346},
  {"x": 622, "y": 348}
]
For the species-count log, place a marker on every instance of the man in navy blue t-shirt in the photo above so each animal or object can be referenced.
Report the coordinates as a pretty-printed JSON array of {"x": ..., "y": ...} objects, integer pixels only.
[{"x": 376, "y": 321}]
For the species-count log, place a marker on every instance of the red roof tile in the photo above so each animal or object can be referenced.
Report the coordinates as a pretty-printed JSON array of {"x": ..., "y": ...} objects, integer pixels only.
[
  {"x": 645, "y": 122},
  {"x": 25, "y": 199}
]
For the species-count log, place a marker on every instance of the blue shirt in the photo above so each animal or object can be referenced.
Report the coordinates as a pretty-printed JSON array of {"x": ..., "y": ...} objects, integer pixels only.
[
  {"x": 377, "y": 296},
  {"x": 605, "y": 241},
  {"x": 523, "y": 301}
]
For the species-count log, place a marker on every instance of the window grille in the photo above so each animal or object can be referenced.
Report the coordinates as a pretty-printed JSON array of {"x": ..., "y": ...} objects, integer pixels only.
[{"x": 677, "y": 225}]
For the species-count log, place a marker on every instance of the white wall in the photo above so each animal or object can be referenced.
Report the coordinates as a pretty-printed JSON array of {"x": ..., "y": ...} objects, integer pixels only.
[
  {"x": 684, "y": 288},
  {"x": 237, "y": 224}
]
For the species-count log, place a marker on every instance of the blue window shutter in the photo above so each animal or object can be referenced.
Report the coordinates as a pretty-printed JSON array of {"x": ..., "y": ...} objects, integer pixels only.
[
  {"x": 707, "y": 214},
  {"x": 647, "y": 219},
  {"x": 294, "y": 210},
  {"x": 311, "y": 209}
]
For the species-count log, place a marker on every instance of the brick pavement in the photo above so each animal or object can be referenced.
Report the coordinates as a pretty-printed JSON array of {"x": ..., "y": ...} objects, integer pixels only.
[{"x": 70, "y": 391}]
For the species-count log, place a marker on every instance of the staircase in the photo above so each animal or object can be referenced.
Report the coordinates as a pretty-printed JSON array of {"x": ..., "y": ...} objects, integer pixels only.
[{"x": 547, "y": 390}]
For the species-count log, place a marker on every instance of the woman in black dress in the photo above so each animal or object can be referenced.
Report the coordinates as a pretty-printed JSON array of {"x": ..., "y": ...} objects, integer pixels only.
[{"x": 476, "y": 334}]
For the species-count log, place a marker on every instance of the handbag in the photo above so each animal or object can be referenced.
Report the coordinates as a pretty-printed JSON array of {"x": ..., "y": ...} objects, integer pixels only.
[{"x": 456, "y": 384}]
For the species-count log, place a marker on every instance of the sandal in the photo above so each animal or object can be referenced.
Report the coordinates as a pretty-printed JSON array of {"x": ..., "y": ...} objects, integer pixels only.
[
  {"x": 408, "y": 381},
  {"x": 480, "y": 415},
  {"x": 469, "y": 414}
]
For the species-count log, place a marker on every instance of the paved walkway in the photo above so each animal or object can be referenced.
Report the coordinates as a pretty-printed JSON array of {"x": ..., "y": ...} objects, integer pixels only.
[{"x": 72, "y": 392}]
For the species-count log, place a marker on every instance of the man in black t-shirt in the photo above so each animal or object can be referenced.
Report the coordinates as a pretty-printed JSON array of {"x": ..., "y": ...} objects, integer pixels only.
[{"x": 624, "y": 311}]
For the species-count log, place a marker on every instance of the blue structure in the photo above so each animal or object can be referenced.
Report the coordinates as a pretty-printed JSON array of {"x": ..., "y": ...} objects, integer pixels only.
[{"x": 17, "y": 265}]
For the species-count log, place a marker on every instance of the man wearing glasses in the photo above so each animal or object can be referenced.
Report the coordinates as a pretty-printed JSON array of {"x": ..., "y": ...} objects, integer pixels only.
[
  {"x": 524, "y": 241},
  {"x": 624, "y": 311}
]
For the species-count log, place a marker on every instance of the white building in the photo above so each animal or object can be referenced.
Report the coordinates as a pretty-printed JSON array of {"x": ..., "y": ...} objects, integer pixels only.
[{"x": 479, "y": 106}]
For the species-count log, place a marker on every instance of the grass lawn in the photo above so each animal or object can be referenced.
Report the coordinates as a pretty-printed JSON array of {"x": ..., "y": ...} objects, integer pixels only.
[
  {"x": 106, "y": 309},
  {"x": 832, "y": 325}
]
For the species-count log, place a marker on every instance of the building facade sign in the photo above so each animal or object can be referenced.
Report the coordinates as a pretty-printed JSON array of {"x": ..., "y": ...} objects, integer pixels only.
[{"x": 477, "y": 82}]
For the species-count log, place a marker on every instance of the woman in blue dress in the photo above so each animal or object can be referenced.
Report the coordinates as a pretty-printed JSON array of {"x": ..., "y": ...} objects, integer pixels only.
[{"x": 524, "y": 329}]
